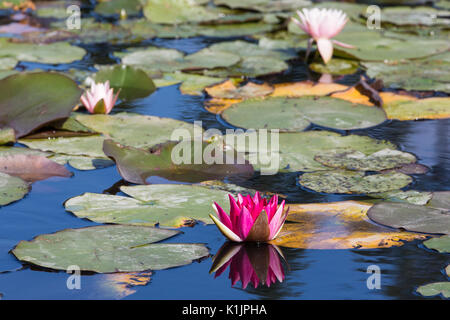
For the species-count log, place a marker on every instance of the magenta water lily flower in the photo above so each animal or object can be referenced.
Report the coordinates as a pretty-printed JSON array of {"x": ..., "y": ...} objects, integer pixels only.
[
  {"x": 322, "y": 25},
  {"x": 100, "y": 98},
  {"x": 251, "y": 219}
]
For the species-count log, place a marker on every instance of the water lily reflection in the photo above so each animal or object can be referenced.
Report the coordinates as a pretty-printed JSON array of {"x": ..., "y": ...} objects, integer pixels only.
[{"x": 259, "y": 264}]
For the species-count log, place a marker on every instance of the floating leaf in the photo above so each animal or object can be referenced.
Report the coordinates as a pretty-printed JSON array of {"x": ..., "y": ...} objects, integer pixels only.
[
  {"x": 106, "y": 249},
  {"x": 264, "y": 5},
  {"x": 411, "y": 196},
  {"x": 411, "y": 217},
  {"x": 32, "y": 167},
  {"x": 335, "y": 67},
  {"x": 441, "y": 244},
  {"x": 170, "y": 205},
  {"x": 29, "y": 101},
  {"x": 429, "y": 108},
  {"x": 11, "y": 189},
  {"x": 7, "y": 135},
  {"x": 192, "y": 84},
  {"x": 112, "y": 7},
  {"x": 133, "y": 83},
  {"x": 355, "y": 160},
  {"x": 434, "y": 289},
  {"x": 337, "y": 225},
  {"x": 228, "y": 90},
  {"x": 296, "y": 114},
  {"x": 177, "y": 11},
  {"x": 137, "y": 165},
  {"x": 420, "y": 16},
  {"x": 54, "y": 53},
  {"x": 341, "y": 181}
]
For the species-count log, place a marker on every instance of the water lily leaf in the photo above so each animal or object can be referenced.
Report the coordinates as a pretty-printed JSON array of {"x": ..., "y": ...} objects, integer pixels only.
[
  {"x": 136, "y": 165},
  {"x": 306, "y": 88},
  {"x": 434, "y": 289},
  {"x": 337, "y": 225},
  {"x": 295, "y": 114},
  {"x": 29, "y": 101},
  {"x": 228, "y": 90},
  {"x": 112, "y": 7},
  {"x": 54, "y": 53},
  {"x": 32, "y": 167},
  {"x": 250, "y": 67},
  {"x": 441, "y": 244},
  {"x": 341, "y": 181},
  {"x": 424, "y": 16},
  {"x": 429, "y": 108},
  {"x": 354, "y": 160},
  {"x": 81, "y": 162},
  {"x": 440, "y": 199},
  {"x": 170, "y": 205},
  {"x": 411, "y": 196},
  {"x": 373, "y": 46},
  {"x": 293, "y": 156},
  {"x": 133, "y": 129},
  {"x": 133, "y": 83},
  {"x": 106, "y": 249},
  {"x": 11, "y": 189},
  {"x": 264, "y": 5},
  {"x": 411, "y": 217},
  {"x": 191, "y": 84},
  {"x": 335, "y": 67},
  {"x": 7, "y": 135},
  {"x": 432, "y": 73},
  {"x": 177, "y": 11}
]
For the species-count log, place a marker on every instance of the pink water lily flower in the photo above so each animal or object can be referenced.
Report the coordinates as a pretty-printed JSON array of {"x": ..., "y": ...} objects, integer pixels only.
[
  {"x": 100, "y": 98},
  {"x": 322, "y": 25},
  {"x": 251, "y": 219}
]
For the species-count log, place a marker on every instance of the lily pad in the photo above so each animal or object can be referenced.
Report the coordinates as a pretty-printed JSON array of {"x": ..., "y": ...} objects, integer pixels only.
[
  {"x": 228, "y": 90},
  {"x": 29, "y": 101},
  {"x": 293, "y": 155},
  {"x": 423, "y": 16},
  {"x": 191, "y": 84},
  {"x": 354, "y": 160},
  {"x": 253, "y": 66},
  {"x": 11, "y": 189},
  {"x": 115, "y": 7},
  {"x": 54, "y": 53},
  {"x": 341, "y": 181},
  {"x": 176, "y": 12},
  {"x": 32, "y": 167},
  {"x": 170, "y": 205},
  {"x": 441, "y": 244},
  {"x": 426, "y": 74},
  {"x": 335, "y": 67},
  {"x": 133, "y": 129},
  {"x": 296, "y": 114},
  {"x": 7, "y": 135},
  {"x": 133, "y": 83},
  {"x": 411, "y": 196},
  {"x": 107, "y": 249},
  {"x": 137, "y": 165},
  {"x": 429, "y": 108},
  {"x": 337, "y": 225},
  {"x": 264, "y": 5},
  {"x": 411, "y": 217},
  {"x": 434, "y": 289}
]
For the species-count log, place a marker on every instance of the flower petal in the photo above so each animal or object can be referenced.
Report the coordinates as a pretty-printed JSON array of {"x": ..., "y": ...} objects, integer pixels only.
[
  {"x": 225, "y": 231},
  {"x": 325, "y": 47}
]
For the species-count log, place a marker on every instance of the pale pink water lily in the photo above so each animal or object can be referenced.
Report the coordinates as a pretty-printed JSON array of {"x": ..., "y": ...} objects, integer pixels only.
[
  {"x": 251, "y": 219},
  {"x": 250, "y": 263},
  {"x": 322, "y": 25},
  {"x": 100, "y": 98}
]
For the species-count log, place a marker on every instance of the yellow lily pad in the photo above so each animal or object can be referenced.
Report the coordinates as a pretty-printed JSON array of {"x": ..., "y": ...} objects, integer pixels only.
[
  {"x": 429, "y": 108},
  {"x": 337, "y": 225}
]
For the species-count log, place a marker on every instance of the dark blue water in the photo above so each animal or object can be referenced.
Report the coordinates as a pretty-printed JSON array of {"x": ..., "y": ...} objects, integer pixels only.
[{"x": 310, "y": 274}]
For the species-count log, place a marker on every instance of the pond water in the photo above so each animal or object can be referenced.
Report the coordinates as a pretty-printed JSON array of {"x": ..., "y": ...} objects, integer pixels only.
[{"x": 309, "y": 274}]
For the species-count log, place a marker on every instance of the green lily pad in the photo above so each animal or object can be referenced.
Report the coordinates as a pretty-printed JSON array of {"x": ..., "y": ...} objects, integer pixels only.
[
  {"x": 112, "y": 7},
  {"x": 81, "y": 162},
  {"x": 170, "y": 205},
  {"x": 424, "y": 16},
  {"x": 106, "y": 249},
  {"x": 341, "y": 181},
  {"x": 412, "y": 217},
  {"x": 54, "y": 53},
  {"x": 434, "y": 289},
  {"x": 411, "y": 196},
  {"x": 441, "y": 244},
  {"x": 29, "y": 101},
  {"x": 294, "y": 156},
  {"x": 296, "y": 114},
  {"x": 335, "y": 67},
  {"x": 133, "y": 129},
  {"x": 133, "y": 83},
  {"x": 440, "y": 199},
  {"x": 432, "y": 73},
  {"x": 253, "y": 66},
  {"x": 373, "y": 46},
  {"x": 264, "y": 5},
  {"x": 191, "y": 84},
  {"x": 176, "y": 12},
  {"x": 356, "y": 160},
  {"x": 136, "y": 165},
  {"x": 11, "y": 189}
]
